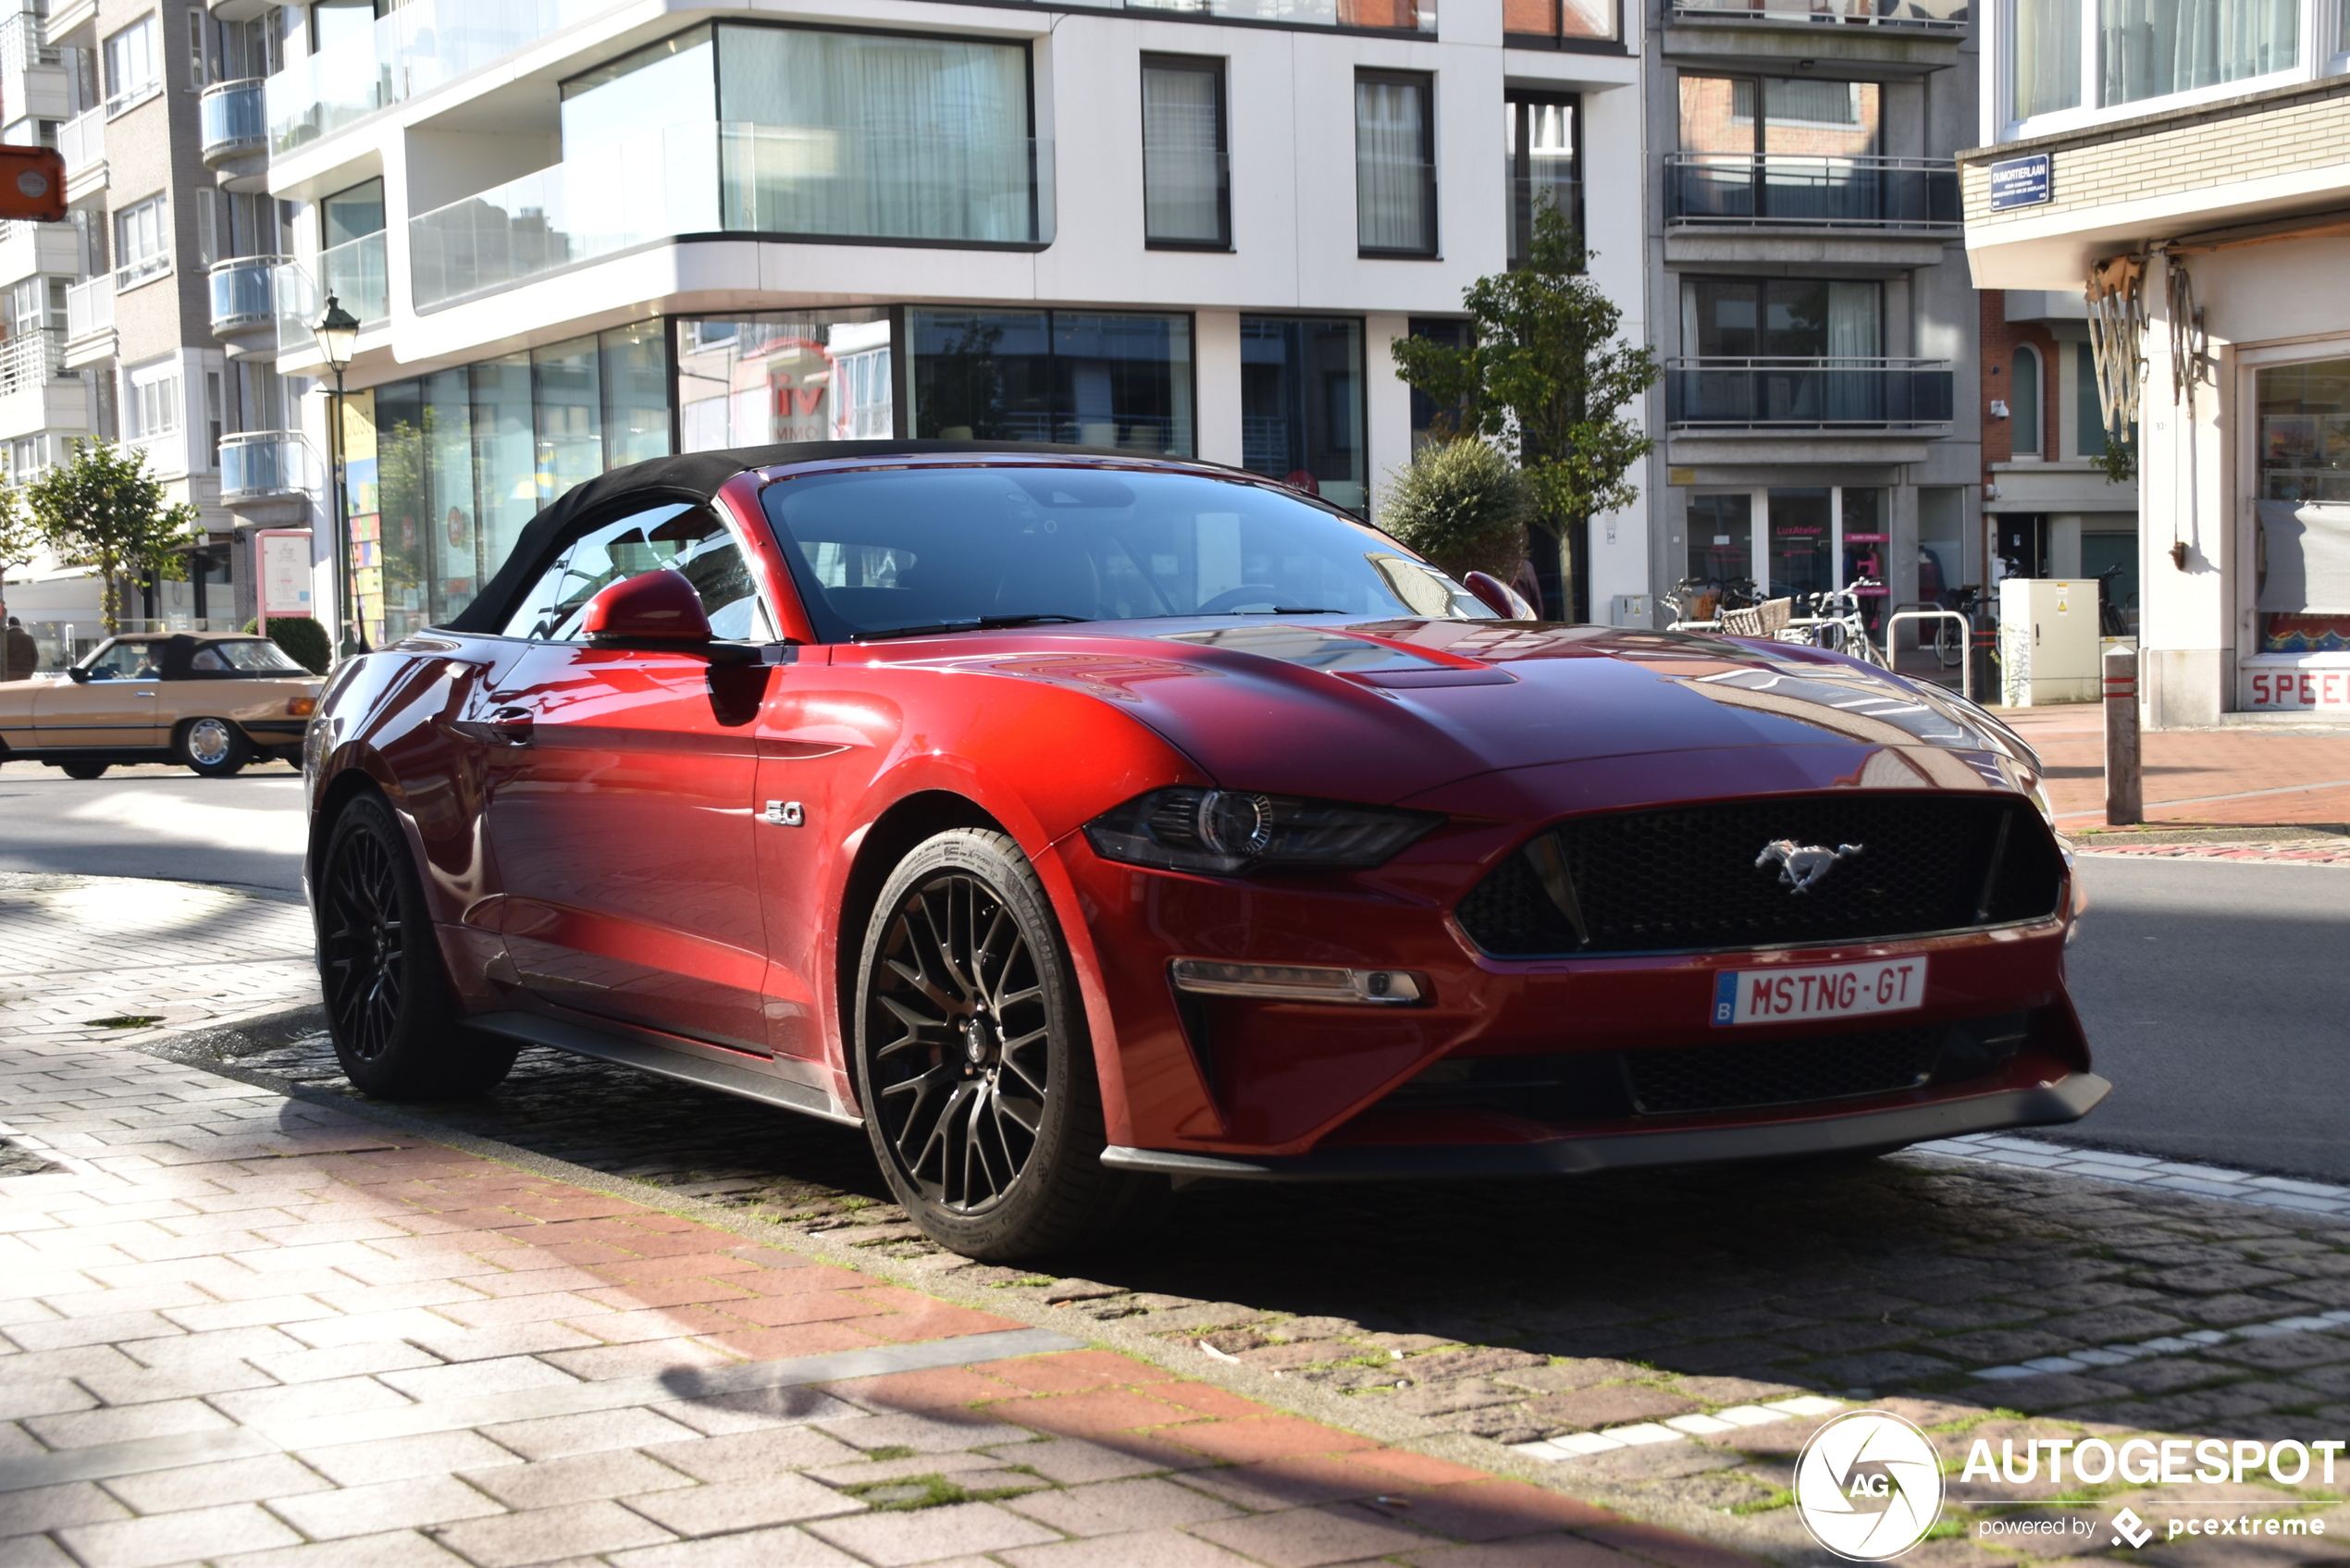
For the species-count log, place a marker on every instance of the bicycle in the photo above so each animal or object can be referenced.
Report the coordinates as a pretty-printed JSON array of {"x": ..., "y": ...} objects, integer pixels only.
[
  {"x": 2111, "y": 623},
  {"x": 1951, "y": 640},
  {"x": 1840, "y": 625}
]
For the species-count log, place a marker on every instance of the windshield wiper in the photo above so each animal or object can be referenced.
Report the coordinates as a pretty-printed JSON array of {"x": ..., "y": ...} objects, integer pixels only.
[{"x": 977, "y": 624}]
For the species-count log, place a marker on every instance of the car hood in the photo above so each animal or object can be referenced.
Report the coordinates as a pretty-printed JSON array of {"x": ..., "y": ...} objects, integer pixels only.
[{"x": 1384, "y": 711}]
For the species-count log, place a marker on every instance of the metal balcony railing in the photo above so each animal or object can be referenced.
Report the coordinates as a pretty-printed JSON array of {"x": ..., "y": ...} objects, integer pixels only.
[
  {"x": 266, "y": 464},
  {"x": 31, "y": 360},
  {"x": 244, "y": 296},
  {"x": 90, "y": 308},
  {"x": 231, "y": 122},
  {"x": 1932, "y": 16},
  {"x": 1826, "y": 393},
  {"x": 20, "y": 45},
  {"x": 82, "y": 141},
  {"x": 1810, "y": 191}
]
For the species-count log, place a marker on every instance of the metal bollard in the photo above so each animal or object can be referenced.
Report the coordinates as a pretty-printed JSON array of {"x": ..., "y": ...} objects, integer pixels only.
[{"x": 2124, "y": 791}]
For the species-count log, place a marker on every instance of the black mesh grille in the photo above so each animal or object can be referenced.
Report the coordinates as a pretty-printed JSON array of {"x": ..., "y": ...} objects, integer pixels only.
[
  {"x": 1685, "y": 879},
  {"x": 1781, "y": 1072}
]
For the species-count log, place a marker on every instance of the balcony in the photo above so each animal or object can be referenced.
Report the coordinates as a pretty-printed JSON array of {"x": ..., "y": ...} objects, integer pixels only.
[
  {"x": 1828, "y": 395},
  {"x": 1894, "y": 38},
  {"x": 354, "y": 274},
  {"x": 267, "y": 466},
  {"x": 35, "y": 393},
  {"x": 30, "y": 358},
  {"x": 244, "y": 302},
  {"x": 89, "y": 322},
  {"x": 233, "y": 133},
  {"x": 1807, "y": 191},
  {"x": 32, "y": 73},
  {"x": 30, "y": 249},
  {"x": 81, "y": 141},
  {"x": 822, "y": 182},
  {"x": 1917, "y": 16}
]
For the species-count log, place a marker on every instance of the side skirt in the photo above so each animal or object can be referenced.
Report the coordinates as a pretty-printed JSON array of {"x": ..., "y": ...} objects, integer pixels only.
[{"x": 725, "y": 1078}]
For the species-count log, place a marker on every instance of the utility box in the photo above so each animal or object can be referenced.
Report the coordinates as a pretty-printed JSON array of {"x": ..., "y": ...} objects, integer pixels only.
[
  {"x": 2049, "y": 644},
  {"x": 1632, "y": 609}
]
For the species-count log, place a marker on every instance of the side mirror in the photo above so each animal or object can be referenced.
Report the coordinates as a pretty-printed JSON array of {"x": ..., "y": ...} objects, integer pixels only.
[
  {"x": 659, "y": 607},
  {"x": 76, "y": 675},
  {"x": 1499, "y": 598}
]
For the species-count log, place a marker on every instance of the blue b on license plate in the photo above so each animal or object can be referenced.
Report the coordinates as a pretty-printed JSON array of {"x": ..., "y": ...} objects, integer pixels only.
[{"x": 1833, "y": 991}]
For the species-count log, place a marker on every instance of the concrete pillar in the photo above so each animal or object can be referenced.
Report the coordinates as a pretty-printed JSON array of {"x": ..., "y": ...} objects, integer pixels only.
[
  {"x": 2185, "y": 632},
  {"x": 1387, "y": 401},
  {"x": 2064, "y": 547},
  {"x": 1215, "y": 363}
]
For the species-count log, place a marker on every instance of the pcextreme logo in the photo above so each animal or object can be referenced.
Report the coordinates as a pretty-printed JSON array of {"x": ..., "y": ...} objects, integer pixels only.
[{"x": 1868, "y": 1486}]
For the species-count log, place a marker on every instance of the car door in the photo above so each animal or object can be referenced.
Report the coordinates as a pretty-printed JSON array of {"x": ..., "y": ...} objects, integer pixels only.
[
  {"x": 113, "y": 710},
  {"x": 620, "y": 785}
]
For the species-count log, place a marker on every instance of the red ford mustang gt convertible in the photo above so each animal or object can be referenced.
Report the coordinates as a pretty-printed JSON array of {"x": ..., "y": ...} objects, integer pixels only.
[{"x": 1076, "y": 822}]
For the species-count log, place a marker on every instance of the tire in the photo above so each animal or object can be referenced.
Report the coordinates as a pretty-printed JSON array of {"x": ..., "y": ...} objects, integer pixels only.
[
  {"x": 391, "y": 1009},
  {"x": 1949, "y": 644},
  {"x": 83, "y": 770},
  {"x": 212, "y": 749},
  {"x": 979, "y": 1093}
]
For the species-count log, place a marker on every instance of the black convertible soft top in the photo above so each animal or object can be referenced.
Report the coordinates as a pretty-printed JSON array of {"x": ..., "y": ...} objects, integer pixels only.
[{"x": 697, "y": 476}]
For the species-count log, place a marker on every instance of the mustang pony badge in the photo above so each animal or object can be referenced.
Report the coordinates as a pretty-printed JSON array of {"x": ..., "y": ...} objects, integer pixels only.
[{"x": 1801, "y": 865}]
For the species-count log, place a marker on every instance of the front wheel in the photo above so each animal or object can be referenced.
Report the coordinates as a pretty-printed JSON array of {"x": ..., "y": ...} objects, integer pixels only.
[
  {"x": 391, "y": 1012},
  {"x": 973, "y": 1060},
  {"x": 83, "y": 770},
  {"x": 213, "y": 748},
  {"x": 1950, "y": 643}
]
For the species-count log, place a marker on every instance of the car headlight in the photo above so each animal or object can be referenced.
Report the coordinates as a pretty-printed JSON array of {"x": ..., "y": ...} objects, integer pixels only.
[{"x": 1224, "y": 831}]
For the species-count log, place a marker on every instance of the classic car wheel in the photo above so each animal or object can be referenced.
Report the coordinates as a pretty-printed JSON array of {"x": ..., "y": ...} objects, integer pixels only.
[
  {"x": 83, "y": 770},
  {"x": 213, "y": 748},
  {"x": 389, "y": 1007},
  {"x": 973, "y": 1060}
]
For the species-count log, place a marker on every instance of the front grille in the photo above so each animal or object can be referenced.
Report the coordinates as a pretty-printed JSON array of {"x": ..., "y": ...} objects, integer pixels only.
[
  {"x": 1566, "y": 1087},
  {"x": 1684, "y": 879}
]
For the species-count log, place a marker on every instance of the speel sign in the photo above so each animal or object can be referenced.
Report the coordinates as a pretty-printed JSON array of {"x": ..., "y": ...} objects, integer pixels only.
[{"x": 2020, "y": 182}]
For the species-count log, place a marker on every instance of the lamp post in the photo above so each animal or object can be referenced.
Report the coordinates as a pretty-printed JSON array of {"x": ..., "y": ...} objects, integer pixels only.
[{"x": 338, "y": 335}]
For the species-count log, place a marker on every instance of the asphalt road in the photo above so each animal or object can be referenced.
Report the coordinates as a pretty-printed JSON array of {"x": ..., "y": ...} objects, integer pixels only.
[
  {"x": 2216, "y": 993},
  {"x": 156, "y": 821}
]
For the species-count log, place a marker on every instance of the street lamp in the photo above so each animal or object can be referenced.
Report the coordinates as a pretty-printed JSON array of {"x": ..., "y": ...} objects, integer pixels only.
[{"x": 338, "y": 337}]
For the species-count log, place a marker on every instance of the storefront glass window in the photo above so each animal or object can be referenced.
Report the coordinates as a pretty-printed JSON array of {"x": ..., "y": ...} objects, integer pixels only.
[
  {"x": 636, "y": 393},
  {"x": 1094, "y": 380},
  {"x": 456, "y": 549},
  {"x": 2305, "y": 432},
  {"x": 1796, "y": 555},
  {"x": 1720, "y": 547},
  {"x": 803, "y": 376},
  {"x": 569, "y": 416},
  {"x": 1942, "y": 560},
  {"x": 1302, "y": 403}
]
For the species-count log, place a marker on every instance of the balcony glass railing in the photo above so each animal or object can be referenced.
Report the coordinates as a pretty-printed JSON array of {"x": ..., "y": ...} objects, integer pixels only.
[
  {"x": 1929, "y": 15},
  {"x": 354, "y": 274},
  {"x": 819, "y": 182},
  {"x": 231, "y": 121},
  {"x": 1804, "y": 189},
  {"x": 90, "y": 308},
  {"x": 243, "y": 295},
  {"x": 82, "y": 141},
  {"x": 1806, "y": 393},
  {"x": 258, "y": 464}
]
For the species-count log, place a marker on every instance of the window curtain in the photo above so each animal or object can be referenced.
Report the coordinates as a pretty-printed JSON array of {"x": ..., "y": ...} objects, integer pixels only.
[
  {"x": 2152, "y": 47},
  {"x": 1183, "y": 182},
  {"x": 2047, "y": 56},
  {"x": 2305, "y": 557},
  {"x": 1394, "y": 187},
  {"x": 895, "y": 138},
  {"x": 1856, "y": 387}
]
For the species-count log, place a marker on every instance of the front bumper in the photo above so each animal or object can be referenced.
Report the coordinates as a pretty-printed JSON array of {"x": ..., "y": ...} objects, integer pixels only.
[{"x": 2053, "y": 1104}]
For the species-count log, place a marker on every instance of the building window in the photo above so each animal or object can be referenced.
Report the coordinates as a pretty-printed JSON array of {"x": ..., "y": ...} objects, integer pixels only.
[
  {"x": 2046, "y": 52},
  {"x": 1302, "y": 404},
  {"x": 2024, "y": 399},
  {"x": 1433, "y": 423},
  {"x": 1394, "y": 163},
  {"x": 789, "y": 376},
  {"x": 351, "y": 214},
  {"x": 2088, "y": 406},
  {"x": 2153, "y": 48},
  {"x": 1543, "y": 133},
  {"x": 1089, "y": 378},
  {"x": 339, "y": 21},
  {"x": 134, "y": 74},
  {"x": 1527, "y": 20},
  {"x": 2305, "y": 541},
  {"x": 143, "y": 242},
  {"x": 1781, "y": 319},
  {"x": 152, "y": 408},
  {"x": 1186, "y": 185}
]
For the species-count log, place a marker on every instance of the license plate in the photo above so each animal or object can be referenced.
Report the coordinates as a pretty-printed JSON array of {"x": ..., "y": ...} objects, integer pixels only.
[{"x": 1832, "y": 991}]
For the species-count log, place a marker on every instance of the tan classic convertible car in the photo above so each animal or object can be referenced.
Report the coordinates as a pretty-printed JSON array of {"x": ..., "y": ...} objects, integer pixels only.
[{"x": 212, "y": 701}]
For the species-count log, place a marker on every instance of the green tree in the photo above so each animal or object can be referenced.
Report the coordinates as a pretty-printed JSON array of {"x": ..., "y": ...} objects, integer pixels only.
[
  {"x": 1464, "y": 506},
  {"x": 1546, "y": 372},
  {"x": 105, "y": 510},
  {"x": 21, "y": 536}
]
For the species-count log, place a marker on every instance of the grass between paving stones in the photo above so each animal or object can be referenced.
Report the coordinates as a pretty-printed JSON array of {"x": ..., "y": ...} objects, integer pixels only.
[
  {"x": 126, "y": 1020},
  {"x": 907, "y": 1493}
]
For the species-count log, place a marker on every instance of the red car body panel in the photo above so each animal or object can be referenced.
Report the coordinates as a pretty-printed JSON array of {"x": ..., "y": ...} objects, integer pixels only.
[{"x": 617, "y": 870}]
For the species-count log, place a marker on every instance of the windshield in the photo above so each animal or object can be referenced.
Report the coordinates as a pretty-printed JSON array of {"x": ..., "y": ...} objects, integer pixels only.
[
  {"x": 246, "y": 658},
  {"x": 877, "y": 551}
]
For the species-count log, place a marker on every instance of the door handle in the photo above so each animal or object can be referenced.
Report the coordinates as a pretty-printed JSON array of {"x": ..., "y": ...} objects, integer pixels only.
[{"x": 512, "y": 725}]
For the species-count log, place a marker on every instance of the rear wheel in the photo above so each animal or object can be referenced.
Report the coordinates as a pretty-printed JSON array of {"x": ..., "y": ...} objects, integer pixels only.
[
  {"x": 213, "y": 749},
  {"x": 83, "y": 770},
  {"x": 972, "y": 1059},
  {"x": 390, "y": 1007}
]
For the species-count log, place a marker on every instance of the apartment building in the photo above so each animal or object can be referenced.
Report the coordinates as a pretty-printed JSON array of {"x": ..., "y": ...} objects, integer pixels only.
[
  {"x": 2184, "y": 168},
  {"x": 1819, "y": 419},
  {"x": 580, "y": 233}
]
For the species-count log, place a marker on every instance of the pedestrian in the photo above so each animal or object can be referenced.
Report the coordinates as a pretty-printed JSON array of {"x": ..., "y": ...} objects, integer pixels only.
[{"x": 23, "y": 654}]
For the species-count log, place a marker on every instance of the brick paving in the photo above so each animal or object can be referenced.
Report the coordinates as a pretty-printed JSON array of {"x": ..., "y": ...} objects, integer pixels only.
[
  {"x": 2238, "y": 774},
  {"x": 577, "y": 1321}
]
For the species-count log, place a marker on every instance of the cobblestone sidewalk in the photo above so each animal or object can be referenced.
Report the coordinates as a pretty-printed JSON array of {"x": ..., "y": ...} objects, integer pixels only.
[{"x": 1657, "y": 1346}]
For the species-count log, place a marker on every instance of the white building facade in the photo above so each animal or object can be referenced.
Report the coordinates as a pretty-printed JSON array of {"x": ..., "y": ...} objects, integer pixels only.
[
  {"x": 2194, "y": 157},
  {"x": 580, "y": 234}
]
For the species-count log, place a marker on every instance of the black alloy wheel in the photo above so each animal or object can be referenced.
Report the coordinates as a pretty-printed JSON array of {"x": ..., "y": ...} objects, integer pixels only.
[
  {"x": 973, "y": 1063},
  {"x": 393, "y": 1016}
]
